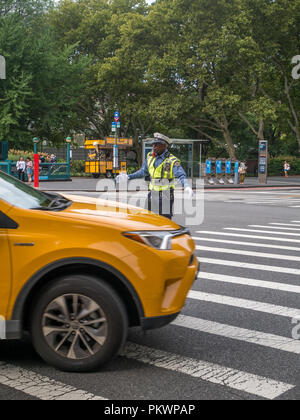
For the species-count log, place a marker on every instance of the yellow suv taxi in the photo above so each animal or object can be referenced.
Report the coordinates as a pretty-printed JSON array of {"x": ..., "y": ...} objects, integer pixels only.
[{"x": 76, "y": 272}]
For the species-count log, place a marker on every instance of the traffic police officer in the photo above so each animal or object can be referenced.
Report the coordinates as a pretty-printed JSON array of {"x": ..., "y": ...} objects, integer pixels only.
[{"x": 163, "y": 168}]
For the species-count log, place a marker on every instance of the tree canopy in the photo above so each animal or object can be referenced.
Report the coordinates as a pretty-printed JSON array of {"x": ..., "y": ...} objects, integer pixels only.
[{"x": 199, "y": 68}]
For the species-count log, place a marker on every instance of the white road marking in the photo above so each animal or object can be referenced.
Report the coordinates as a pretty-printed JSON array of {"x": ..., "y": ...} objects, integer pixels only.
[
  {"x": 240, "y": 334},
  {"x": 269, "y": 268},
  {"x": 239, "y": 235},
  {"x": 249, "y": 282},
  {"x": 255, "y": 244},
  {"x": 209, "y": 372},
  {"x": 248, "y": 253},
  {"x": 245, "y": 304},
  {"x": 263, "y": 231},
  {"x": 284, "y": 224},
  {"x": 274, "y": 227},
  {"x": 39, "y": 386}
]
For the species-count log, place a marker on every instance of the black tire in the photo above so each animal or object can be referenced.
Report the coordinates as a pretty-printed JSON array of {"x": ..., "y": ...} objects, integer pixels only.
[{"x": 89, "y": 289}]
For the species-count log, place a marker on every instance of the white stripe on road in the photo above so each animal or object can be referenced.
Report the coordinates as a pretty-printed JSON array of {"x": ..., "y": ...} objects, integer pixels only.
[
  {"x": 240, "y": 334},
  {"x": 249, "y": 282},
  {"x": 245, "y": 304},
  {"x": 39, "y": 386},
  {"x": 255, "y": 244},
  {"x": 209, "y": 372},
  {"x": 263, "y": 231},
  {"x": 274, "y": 227},
  {"x": 269, "y": 268},
  {"x": 294, "y": 207},
  {"x": 284, "y": 224},
  {"x": 248, "y": 253},
  {"x": 239, "y": 235}
]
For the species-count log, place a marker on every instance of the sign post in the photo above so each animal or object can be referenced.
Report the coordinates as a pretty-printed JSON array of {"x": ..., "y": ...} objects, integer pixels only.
[
  {"x": 263, "y": 162},
  {"x": 116, "y": 151},
  {"x": 36, "y": 170}
]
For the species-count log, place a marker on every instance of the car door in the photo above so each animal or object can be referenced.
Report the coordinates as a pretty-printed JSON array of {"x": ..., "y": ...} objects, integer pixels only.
[{"x": 5, "y": 258}]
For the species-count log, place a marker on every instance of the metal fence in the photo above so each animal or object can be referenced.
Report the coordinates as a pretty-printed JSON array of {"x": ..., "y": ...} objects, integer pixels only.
[{"x": 48, "y": 171}]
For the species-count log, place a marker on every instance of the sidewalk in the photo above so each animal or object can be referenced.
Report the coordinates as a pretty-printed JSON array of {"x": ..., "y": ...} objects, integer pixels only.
[{"x": 90, "y": 185}]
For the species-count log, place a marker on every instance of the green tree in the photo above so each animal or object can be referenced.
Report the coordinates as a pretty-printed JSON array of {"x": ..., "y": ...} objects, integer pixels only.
[{"x": 44, "y": 82}]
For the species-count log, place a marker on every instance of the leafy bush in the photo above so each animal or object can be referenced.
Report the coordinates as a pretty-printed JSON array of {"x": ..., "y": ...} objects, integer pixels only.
[
  {"x": 131, "y": 170},
  {"x": 78, "y": 168},
  {"x": 14, "y": 155}
]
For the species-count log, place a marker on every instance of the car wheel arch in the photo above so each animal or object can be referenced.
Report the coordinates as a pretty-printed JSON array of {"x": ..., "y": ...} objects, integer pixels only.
[{"x": 98, "y": 269}]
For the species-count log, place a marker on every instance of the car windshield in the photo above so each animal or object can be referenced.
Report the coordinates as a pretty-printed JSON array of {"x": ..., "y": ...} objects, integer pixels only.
[{"x": 21, "y": 195}]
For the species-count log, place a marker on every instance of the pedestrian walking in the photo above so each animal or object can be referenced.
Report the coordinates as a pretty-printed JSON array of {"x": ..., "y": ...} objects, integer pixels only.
[
  {"x": 162, "y": 167},
  {"x": 286, "y": 168},
  {"x": 242, "y": 172},
  {"x": 21, "y": 167},
  {"x": 29, "y": 170}
]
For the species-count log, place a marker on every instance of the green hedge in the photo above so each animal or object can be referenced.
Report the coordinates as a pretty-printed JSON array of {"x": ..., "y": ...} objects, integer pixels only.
[{"x": 275, "y": 166}]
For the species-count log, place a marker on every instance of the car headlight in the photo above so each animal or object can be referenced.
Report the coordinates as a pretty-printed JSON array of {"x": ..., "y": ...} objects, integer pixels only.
[{"x": 156, "y": 239}]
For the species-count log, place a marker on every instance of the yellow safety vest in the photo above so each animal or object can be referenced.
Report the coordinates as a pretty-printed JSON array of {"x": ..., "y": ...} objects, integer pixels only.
[{"x": 162, "y": 177}]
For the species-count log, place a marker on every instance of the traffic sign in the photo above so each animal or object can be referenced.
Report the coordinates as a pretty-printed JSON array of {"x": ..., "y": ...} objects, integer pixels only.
[
  {"x": 118, "y": 124},
  {"x": 117, "y": 116},
  {"x": 113, "y": 124}
]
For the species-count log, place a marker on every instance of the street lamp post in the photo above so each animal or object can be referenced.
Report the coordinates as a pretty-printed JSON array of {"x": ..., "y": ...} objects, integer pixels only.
[
  {"x": 35, "y": 143},
  {"x": 68, "y": 141}
]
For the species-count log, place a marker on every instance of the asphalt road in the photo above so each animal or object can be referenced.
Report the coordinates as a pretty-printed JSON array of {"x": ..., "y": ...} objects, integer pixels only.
[{"x": 234, "y": 337}]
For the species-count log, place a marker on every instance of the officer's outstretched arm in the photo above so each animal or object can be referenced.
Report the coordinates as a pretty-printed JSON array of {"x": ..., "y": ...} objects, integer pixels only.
[{"x": 142, "y": 173}]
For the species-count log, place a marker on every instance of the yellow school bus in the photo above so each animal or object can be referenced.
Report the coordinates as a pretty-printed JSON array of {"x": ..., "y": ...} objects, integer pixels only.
[{"x": 100, "y": 154}]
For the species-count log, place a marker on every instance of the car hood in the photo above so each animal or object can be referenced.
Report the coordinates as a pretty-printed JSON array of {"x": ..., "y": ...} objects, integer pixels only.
[{"x": 121, "y": 215}]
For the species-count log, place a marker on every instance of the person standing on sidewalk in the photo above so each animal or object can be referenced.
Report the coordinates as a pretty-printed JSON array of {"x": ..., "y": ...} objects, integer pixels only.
[
  {"x": 242, "y": 172},
  {"x": 163, "y": 168},
  {"x": 286, "y": 168},
  {"x": 29, "y": 170},
  {"x": 21, "y": 166}
]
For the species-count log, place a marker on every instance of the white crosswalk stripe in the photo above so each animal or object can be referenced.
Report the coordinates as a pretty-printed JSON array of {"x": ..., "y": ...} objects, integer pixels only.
[
  {"x": 250, "y": 244},
  {"x": 248, "y": 253},
  {"x": 240, "y": 334},
  {"x": 275, "y": 227},
  {"x": 264, "y": 231},
  {"x": 40, "y": 386},
  {"x": 285, "y": 224},
  {"x": 261, "y": 267},
  {"x": 239, "y": 235},
  {"x": 209, "y": 372},
  {"x": 244, "y": 281},
  {"x": 245, "y": 304}
]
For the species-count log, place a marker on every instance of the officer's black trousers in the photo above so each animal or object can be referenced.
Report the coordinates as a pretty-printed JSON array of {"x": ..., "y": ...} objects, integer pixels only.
[{"x": 161, "y": 202}]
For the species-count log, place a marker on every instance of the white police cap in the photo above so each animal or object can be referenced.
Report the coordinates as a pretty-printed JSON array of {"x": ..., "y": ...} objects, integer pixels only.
[{"x": 160, "y": 138}]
